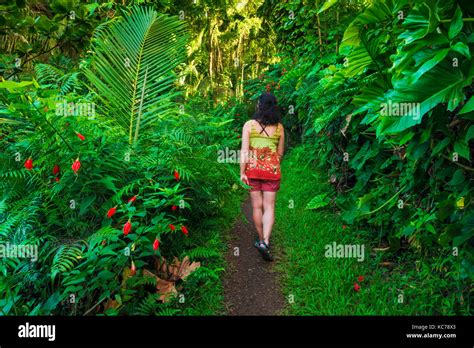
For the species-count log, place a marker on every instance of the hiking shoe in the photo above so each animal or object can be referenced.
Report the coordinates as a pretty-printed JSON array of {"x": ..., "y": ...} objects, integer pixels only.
[{"x": 264, "y": 251}]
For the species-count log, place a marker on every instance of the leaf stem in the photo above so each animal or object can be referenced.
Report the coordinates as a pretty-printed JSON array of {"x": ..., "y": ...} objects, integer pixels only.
[{"x": 55, "y": 130}]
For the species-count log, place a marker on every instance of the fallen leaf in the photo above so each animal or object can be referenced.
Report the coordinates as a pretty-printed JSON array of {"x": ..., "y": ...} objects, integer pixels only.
[
  {"x": 164, "y": 288},
  {"x": 111, "y": 304}
]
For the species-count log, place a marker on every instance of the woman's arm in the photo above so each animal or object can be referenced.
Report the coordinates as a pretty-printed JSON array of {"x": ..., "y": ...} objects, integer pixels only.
[
  {"x": 244, "y": 152},
  {"x": 281, "y": 143}
]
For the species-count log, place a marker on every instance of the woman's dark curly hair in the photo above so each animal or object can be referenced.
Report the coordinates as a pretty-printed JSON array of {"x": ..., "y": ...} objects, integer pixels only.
[{"x": 268, "y": 112}]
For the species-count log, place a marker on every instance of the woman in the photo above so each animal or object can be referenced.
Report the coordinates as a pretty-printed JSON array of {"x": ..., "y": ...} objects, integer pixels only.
[{"x": 261, "y": 153}]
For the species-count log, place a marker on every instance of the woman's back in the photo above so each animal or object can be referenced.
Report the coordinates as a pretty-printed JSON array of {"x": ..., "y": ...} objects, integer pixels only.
[{"x": 264, "y": 162}]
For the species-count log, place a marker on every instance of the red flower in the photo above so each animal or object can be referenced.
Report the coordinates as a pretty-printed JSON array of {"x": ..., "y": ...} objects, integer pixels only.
[
  {"x": 127, "y": 227},
  {"x": 29, "y": 164},
  {"x": 133, "y": 269},
  {"x": 80, "y": 136},
  {"x": 156, "y": 244},
  {"x": 76, "y": 165},
  {"x": 185, "y": 230},
  {"x": 133, "y": 199},
  {"x": 360, "y": 279},
  {"x": 344, "y": 227},
  {"x": 356, "y": 287},
  {"x": 176, "y": 175},
  {"x": 56, "y": 170},
  {"x": 111, "y": 212},
  {"x": 56, "y": 179},
  {"x": 174, "y": 207},
  {"x": 172, "y": 227}
]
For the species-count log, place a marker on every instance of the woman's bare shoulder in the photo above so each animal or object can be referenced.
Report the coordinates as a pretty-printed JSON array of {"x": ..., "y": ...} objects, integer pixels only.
[{"x": 248, "y": 123}]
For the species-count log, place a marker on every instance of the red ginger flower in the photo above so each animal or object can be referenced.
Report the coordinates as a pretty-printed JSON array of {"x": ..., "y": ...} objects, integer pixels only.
[
  {"x": 29, "y": 164},
  {"x": 172, "y": 227},
  {"x": 185, "y": 230},
  {"x": 356, "y": 287},
  {"x": 156, "y": 244},
  {"x": 111, "y": 212},
  {"x": 176, "y": 175},
  {"x": 133, "y": 199},
  {"x": 127, "y": 227},
  {"x": 76, "y": 165},
  {"x": 80, "y": 136},
  {"x": 133, "y": 269},
  {"x": 360, "y": 279},
  {"x": 56, "y": 170}
]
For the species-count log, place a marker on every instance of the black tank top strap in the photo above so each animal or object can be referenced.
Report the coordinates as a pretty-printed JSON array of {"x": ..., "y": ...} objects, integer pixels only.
[{"x": 263, "y": 128}]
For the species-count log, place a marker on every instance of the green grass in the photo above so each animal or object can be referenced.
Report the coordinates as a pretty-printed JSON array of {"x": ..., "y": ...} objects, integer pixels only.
[{"x": 317, "y": 285}]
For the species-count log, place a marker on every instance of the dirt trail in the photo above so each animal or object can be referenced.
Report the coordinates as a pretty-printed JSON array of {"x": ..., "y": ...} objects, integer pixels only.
[{"x": 251, "y": 287}]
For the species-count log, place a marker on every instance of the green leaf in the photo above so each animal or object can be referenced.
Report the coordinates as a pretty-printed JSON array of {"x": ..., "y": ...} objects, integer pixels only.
[
  {"x": 462, "y": 149},
  {"x": 136, "y": 57},
  {"x": 468, "y": 107},
  {"x": 421, "y": 21},
  {"x": 462, "y": 48},
  {"x": 108, "y": 182},
  {"x": 458, "y": 178},
  {"x": 456, "y": 24},
  {"x": 429, "y": 64},
  {"x": 440, "y": 146},
  {"x": 12, "y": 85},
  {"x": 442, "y": 84},
  {"x": 86, "y": 203},
  {"x": 318, "y": 201},
  {"x": 327, "y": 5},
  {"x": 407, "y": 137},
  {"x": 469, "y": 134}
]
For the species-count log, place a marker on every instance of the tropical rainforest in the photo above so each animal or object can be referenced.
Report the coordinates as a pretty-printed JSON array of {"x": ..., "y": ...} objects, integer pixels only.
[{"x": 114, "y": 116}]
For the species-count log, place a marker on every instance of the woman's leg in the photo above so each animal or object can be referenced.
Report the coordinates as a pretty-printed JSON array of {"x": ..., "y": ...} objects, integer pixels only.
[
  {"x": 268, "y": 214},
  {"x": 257, "y": 206}
]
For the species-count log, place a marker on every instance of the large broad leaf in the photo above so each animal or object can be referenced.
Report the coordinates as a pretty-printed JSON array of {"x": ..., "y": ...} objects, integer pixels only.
[
  {"x": 421, "y": 21},
  {"x": 442, "y": 84},
  {"x": 132, "y": 67},
  {"x": 429, "y": 64},
  {"x": 417, "y": 53},
  {"x": 365, "y": 54},
  {"x": 378, "y": 12}
]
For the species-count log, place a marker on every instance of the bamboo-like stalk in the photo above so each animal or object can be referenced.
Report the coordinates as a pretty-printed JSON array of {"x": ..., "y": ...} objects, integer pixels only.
[{"x": 319, "y": 31}]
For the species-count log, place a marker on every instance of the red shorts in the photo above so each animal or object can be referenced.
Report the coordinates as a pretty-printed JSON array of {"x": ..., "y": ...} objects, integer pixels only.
[{"x": 264, "y": 185}]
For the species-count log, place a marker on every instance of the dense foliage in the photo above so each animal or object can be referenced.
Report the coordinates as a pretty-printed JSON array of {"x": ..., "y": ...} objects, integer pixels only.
[
  {"x": 160, "y": 182},
  {"x": 388, "y": 108}
]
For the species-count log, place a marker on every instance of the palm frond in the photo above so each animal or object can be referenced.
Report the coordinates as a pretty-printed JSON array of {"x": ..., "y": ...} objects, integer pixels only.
[{"x": 132, "y": 67}]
